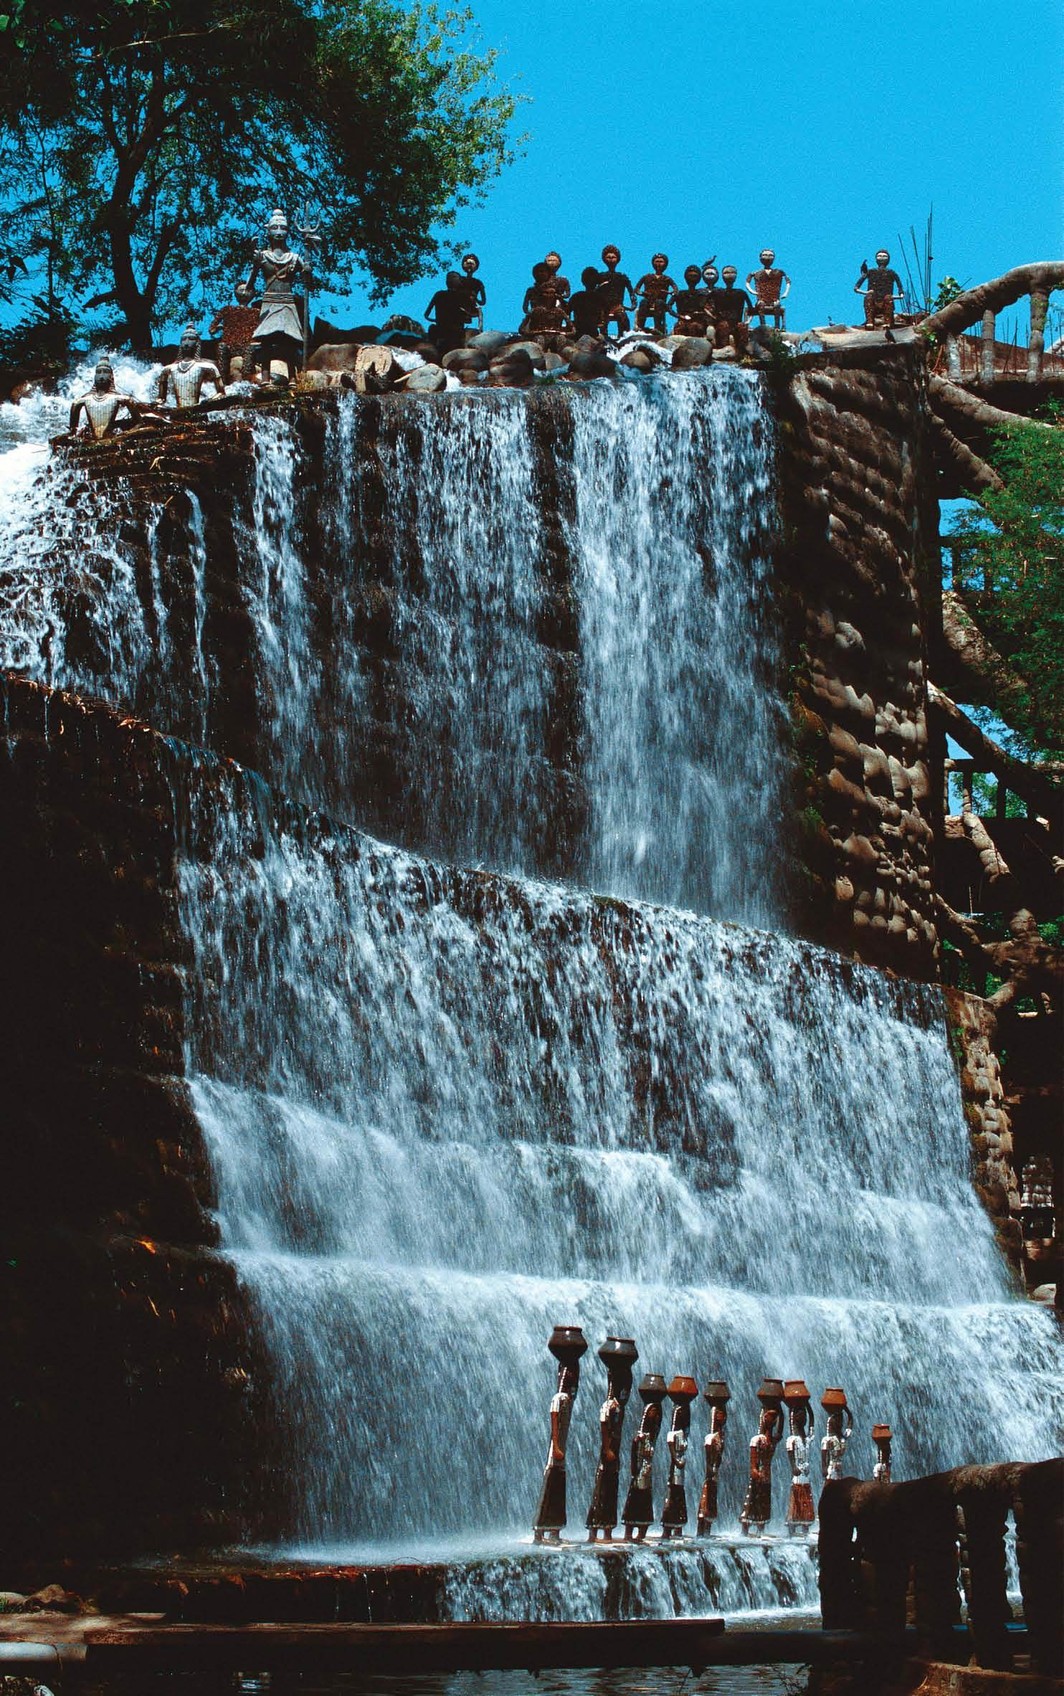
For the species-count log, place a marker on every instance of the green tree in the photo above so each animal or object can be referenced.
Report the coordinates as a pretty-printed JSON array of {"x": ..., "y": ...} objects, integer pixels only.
[
  {"x": 144, "y": 142},
  {"x": 1010, "y": 551}
]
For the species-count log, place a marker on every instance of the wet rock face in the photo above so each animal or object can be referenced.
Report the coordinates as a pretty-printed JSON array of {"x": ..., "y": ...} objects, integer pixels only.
[
  {"x": 124, "y": 1338},
  {"x": 859, "y": 560},
  {"x": 972, "y": 1028}
]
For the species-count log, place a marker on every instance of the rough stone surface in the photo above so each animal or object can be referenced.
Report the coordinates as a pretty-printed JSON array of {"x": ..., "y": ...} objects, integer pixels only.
[{"x": 987, "y": 1115}]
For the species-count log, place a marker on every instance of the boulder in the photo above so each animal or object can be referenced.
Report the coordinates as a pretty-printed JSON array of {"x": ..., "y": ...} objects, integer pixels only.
[
  {"x": 490, "y": 341},
  {"x": 312, "y": 381},
  {"x": 587, "y": 365},
  {"x": 692, "y": 352},
  {"x": 429, "y": 352},
  {"x": 534, "y": 351},
  {"x": 637, "y": 359},
  {"x": 554, "y": 362},
  {"x": 425, "y": 380},
  {"x": 376, "y": 371},
  {"x": 511, "y": 369},
  {"x": 333, "y": 356},
  {"x": 472, "y": 357}
]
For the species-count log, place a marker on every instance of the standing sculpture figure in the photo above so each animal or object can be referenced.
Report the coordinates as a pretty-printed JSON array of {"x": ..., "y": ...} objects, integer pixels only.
[
  {"x": 731, "y": 308},
  {"x": 880, "y": 288},
  {"x": 102, "y": 404},
  {"x": 612, "y": 288},
  {"x": 771, "y": 287},
  {"x": 618, "y": 1355},
  {"x": 448, "y": 313},
  {"x": 682, "y": 1392},
  {"x": 840, "y": 1430},
  {"x": 553, "y": 262},
  {"x": 718, "y": 1396},
  {"x": 544, "y": 305},
  {"x": 882, "y": 1436},
  {"x": 800, "y": 1510},
  {"x": 184, "y": 379},
  {"x": 639, "y": 1503},
  {"x": 656, "y": 288},
  {"x": 757, "y": 1508},
  {"x": 568, "y": 1345},
  {"x": 473, "y": 288},
  {"x": 279, "y": 331},
  {"x": 689, "y": 305}
]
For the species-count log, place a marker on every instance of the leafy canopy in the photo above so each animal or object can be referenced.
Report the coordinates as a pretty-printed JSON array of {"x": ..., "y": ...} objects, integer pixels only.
[
  {"x": 1012, "y": 547},
  {"x": 143, "y": 143}
]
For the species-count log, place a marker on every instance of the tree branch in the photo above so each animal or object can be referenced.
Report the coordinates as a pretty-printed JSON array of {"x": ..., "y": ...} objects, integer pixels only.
[
  {"x": 973, "y": 474},
  {"x": 1033, "y": 786},
  {"x": 968, "y": 308}
]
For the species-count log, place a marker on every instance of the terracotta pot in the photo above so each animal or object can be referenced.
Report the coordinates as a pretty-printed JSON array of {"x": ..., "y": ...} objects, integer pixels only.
[
  {"x": 771, "y": 1392},
  {"x": 796, "y": 1392},
  {"x": 880, "y": 1433},
  {"x": 618, "y": 1350},
  {"x": 716, "y": 1391},
  {"x": 567, "y": 1344},
  {"x": 653, "y": 1388},
  {"x": 683, "y": 1389},
  {"x": 833, "y": 1399}
]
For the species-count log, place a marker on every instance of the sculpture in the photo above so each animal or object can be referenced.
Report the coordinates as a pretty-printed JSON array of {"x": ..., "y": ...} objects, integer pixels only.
[
  {"x": 638, "y": 1504},
  {"x": 102, "y": 404},
  {"x": 475, "y": 294},
  {"x": 618, "y": 1355},
  {"x": 881, "y": 288},
  {"x": 553, "y": 262},
  {"x": 233, "y": 327},
  {"x": 613, "y": 285},
  {"x": 568, "y": 1345},
  {"x": 449, "y": 311},
  {"x": 717, "y": 1394},
  {"x": 881, "y": 1437},
  {"x": 757, "y": 1508},
  {"x": 184, "y": 379},
  {"x": 656, "y": 288},
  {"x": 682, "y": 1392},
  {"x": 1037, "y": 1213},
  {"x": 584, "y": 307},
  {"x": 771, "y": 287},
  {"x": 800, "y": 1510},
  {"x": 731, "y": 308},
  {"x": 689, "y": 305},
  {"x": 279, "y": 331},
  {"x": 543, "y": 308},
  {"x": 839, "y": 1432}
]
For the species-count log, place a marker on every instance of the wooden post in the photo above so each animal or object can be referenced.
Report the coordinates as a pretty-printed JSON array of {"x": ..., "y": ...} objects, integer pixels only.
[
  {"x": 986, "y": 369},
  {"x": 929, "y": 1512},
  {"x": 984, "y": 1498},
  {"x": 1036, "y": 345}
]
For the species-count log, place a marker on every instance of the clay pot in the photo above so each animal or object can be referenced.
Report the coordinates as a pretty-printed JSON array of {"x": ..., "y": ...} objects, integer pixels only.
[
  {"x": 833, "y": 1399},
  {"x": 771, "y": 1392},
  {"x": 881, "y": 1433},
  {"x": 567, "y": 1344},
  {"x": 653, "y": 1388},
  {"x": 796, "y": 1393},
  {"x": 716, "y": 1392},
  {"x": 619, "y": 1350},
  {"x": 683, "y": 1390}
]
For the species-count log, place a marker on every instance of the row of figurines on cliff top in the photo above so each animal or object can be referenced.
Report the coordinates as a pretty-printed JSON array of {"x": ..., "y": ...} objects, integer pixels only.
[{"x": 619, "y": 1355}]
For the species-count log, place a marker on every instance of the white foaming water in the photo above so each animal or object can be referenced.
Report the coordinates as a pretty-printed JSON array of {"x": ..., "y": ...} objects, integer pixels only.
[
  {"x": 447, "y": 1112},
  {"x": 673, "y": 484}
]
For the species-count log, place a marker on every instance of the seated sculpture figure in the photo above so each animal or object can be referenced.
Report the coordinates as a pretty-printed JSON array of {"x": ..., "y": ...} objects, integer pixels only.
[
  {"x": 103, "y": 405},
  {"x": 184, "y": 379},
  {"x": 233, "y": 327},
  {"x": 279, "y": 331},
  {"x": 880, "y": 288},
  {"x": 731, "y": 307},
  {"x": 584, "y": 307},
  {"x": 543, "y": 306},
  {"x": 655, "y": 288},
  {"x": 689, "y": 305},
  {"x": 553, "y": 262},
  {"x": 613, "y": 286},
  {"x": 771, "y": 287}
]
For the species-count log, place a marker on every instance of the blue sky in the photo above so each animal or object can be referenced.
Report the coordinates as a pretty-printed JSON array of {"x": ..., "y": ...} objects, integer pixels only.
[{"x": 822, "y": 131}]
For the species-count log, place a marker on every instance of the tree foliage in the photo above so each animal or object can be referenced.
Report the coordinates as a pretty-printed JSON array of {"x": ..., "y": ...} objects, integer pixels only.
[
  {"x": 1011, "y": 549},
  {"x": 144, "y": 142}
]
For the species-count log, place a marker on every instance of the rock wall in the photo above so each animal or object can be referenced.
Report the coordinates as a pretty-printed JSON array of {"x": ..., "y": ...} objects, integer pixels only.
[
  {"x": 972, "y": 1029},
  {"x": 124, "y": 1341},
  {"x": 859, "y": 566}
]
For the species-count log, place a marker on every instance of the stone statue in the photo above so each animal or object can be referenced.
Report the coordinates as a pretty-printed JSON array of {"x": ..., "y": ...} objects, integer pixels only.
[
  {"x": 475, "y": 294},
  {"x": 800, "y": 1510},
  {"x": 103, "y": 405},
  {"x": 757, "y": 1508},
  {"x": 689, "y": 305},
  {"x": 731, "y": 309},
  {"x": 553, "y": 262},
  {"x": 839, "y": 1432},
  {"x": 682, "y": 1392},
  {"x": 771, "y": 287},
  {"x": 279, "y": 331},
  {"x": 656, "y": 288},
  {"x": 718, "y": 1396},
  {"x": 612, "y": 288},
  {"x": 639, "y": 1503},
  {"x": 584, "y": 307},
  {"x": 448, "y": 313},
  {"x": 881, "y": 288},
  {"x": 568, "y": 1345},
  {"x": 184, "y": 379},
  {"x": 543, "y": 305},
  {"x": 618, "y": 1355},
  {"x": 882, "y": 1436},
  {"x": 1038, "y": 1220}
]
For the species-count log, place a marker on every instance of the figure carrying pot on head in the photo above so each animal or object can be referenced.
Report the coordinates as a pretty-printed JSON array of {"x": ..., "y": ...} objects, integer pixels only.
[
  {"x": 839, "y": 1432},
  {"x": 800, "y": 1510},
  {"x": 638, "y": 1512},
  {"x": 682, "y": 1392},
  {"x": 757, "y": 1508},
  {"x": 882, "y": 1437},
  {"x": 718, "y": 1396},
  {"x": 567, "y": 1344},
  {"x": 618, "y": 1355}
]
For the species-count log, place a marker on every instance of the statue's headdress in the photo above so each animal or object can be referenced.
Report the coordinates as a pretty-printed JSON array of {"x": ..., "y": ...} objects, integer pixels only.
[{"x": 277, "y": 220}]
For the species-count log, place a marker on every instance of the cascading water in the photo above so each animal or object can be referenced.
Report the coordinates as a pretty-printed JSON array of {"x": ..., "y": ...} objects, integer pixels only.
[{"x": 447, "y": 1110}]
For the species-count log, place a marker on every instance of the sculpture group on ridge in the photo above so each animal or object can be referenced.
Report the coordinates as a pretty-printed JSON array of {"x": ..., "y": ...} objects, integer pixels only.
[
  {"x": 711, "y": 306},
  {"x": 619, "y": 1354}
]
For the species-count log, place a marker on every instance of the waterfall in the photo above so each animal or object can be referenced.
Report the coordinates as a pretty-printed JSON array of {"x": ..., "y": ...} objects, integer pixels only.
[{"x": 447, "y": 1111}]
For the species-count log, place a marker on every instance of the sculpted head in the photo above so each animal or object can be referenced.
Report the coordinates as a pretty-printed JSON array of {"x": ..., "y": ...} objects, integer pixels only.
[
  {"x": 190, "y": 342},
  {"x": 882, "y": 257},
  {"x": 729, "y": 275},
  {"x": 710, "y": 275},
  {"x": 691, "y": 274},
  {"x": 767, "y": 257},
  {"x": 660, "y": 262},
  {"x": 277, "y": 229},
  {"x": 553, "y": 261},
  {"x": 611, "y": 256},
  {"x": 103, "y": 377},
  {"x": 470, "y": 263}
]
